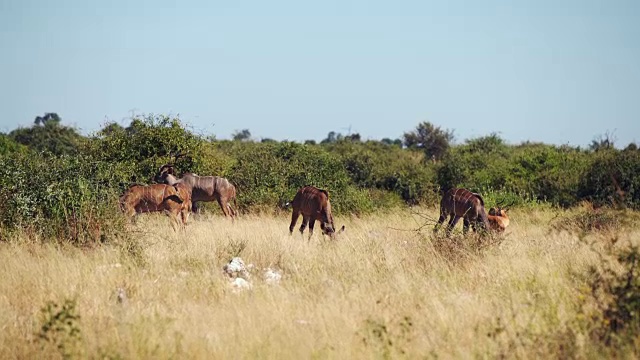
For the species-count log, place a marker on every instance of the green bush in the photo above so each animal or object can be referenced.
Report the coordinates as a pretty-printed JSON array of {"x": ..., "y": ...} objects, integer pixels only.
[
  {"x": 545, "y": 172},
  {"x": 146, "y": 144},
  {"x": 75, "y": 196},
  {"x": 8, "y": 146},
  {"x": 271, "y": 174},
  {"x": 49, "y": 136},
  {"x": 612, "y": 179},
  {"x": 612, "y": 304},
  {"x": 64, "y": 198},
  {"x": 380, "y": 166}
]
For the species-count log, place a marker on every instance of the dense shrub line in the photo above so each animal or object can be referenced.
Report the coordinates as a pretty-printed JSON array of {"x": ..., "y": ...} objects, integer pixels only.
[{"x": 75, "y": 193}]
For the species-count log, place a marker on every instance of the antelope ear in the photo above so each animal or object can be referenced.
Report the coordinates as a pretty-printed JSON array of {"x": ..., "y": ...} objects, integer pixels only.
[{"x": 492, "y": 212}]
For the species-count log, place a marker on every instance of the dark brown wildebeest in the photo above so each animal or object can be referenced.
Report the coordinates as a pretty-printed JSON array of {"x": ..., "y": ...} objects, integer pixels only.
[
  {"x": 173, "y": 201},
  {"x": 462, "y": 203},
  {"x": 203, "y": 188},
  {"x": 313, "y": 204}
]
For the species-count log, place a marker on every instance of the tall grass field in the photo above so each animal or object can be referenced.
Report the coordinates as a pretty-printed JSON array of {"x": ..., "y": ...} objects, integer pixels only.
[{"x": 386, "y": 288}]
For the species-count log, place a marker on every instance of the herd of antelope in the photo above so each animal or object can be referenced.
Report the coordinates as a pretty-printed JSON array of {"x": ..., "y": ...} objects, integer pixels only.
[{"x": 177, "y": 197}]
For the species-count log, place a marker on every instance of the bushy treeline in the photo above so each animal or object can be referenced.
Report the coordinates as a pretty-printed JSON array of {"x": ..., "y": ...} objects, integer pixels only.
[{"x": 76, "y": 183}]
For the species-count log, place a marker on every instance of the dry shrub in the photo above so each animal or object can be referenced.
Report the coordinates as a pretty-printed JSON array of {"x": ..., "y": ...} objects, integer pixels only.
[{"x": 586, "y": 219}]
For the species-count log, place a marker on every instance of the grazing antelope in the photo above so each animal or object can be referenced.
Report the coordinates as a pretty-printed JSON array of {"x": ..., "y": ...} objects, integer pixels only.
[
  {"x": 157, "y": 197},
  {"x": 203, "y": 188},
  {"x": 462, "y": 203},
  {"x": 313, "y": 204},
  {"x": 498, "y": 218}
]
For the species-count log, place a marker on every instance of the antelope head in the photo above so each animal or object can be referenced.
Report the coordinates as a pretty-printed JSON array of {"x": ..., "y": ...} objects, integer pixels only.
[
  {"x": 163, "y": 172},
  {"x": 500, "y": 209}
]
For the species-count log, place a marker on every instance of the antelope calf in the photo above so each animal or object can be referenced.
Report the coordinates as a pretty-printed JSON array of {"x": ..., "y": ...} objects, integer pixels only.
[{"x": 498, "y": 219}]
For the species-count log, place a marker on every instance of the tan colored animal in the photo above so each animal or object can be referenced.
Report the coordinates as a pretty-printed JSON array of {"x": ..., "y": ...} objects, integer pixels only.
[
  {"x": 155, "y": 198},
  {"x": 203, "y": 188},
  {"x": 498, "y": 217},
  {"x": 313, "y": 204},
  {"x": 462, "y": 203},
  {"x": 184, "y": 192}
]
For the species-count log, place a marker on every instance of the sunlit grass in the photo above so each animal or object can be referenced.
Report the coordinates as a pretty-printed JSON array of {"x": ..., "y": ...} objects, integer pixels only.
[{"x": 381, "y": 290}]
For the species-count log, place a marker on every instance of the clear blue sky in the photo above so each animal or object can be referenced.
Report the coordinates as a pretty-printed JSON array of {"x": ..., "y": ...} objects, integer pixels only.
[{"x": 551, "y": 71}]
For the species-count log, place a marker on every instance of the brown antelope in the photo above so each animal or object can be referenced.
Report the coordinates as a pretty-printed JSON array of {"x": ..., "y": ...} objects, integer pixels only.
[
  {"x": 203, "y": 188},
  {"x": 498, "y": 217},
  {"x": 157, "y": 197},
  {"x": 462, "y": 203},
  {"x": 313, "y": 204}
]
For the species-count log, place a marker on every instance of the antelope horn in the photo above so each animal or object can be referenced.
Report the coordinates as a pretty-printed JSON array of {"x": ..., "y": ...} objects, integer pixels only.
[{"x": 509, "y": 205}]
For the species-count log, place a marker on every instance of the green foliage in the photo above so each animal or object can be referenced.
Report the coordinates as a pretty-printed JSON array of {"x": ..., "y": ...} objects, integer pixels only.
[
  {"x": 545, "y": 172},
  {"x": 271, "y": 173},
  {"x": 615, "y": 292},
  {"x": 64, "y": 198},
  {"x": 76, "y": 197},
  {"x": 146, "y": 144},
  {"x": 48, "y": 135},
  {"x": 389, "y": 339},
  {"x": 432, "y": 139},
  {"x": 60, "y": 328},
  {"x": 611, "y": 179},
  {"x": 452, "y": 171},
  {"x": 585, "y": 220},
  {"x": 244, "y": 135},
  {"x": 8, "y": 145},
  {"x": 376, "y": 165}
]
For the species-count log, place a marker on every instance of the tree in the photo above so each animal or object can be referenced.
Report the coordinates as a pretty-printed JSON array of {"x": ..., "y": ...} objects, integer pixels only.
[
  {"x": 244, "y": 135},
  {"x": 389, "y": 141},
  {"x": 631, "y": 147},
  {"x": 492, "y": 143},
  {"x": 47, "y": 118},
  {"x": 331, "y": 138},
  {"x": 603, "y": 142},
  {"x": 355, "y": 137},
  {"x": 147, "y": 143},
  {"x": 47, "y": 134},
  {"x": 110, "y": 129},
  {"x": 432, "y": 139}
]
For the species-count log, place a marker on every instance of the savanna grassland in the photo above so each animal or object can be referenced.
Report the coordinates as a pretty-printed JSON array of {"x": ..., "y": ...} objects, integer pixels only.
[{"x": 381, "y": 290}]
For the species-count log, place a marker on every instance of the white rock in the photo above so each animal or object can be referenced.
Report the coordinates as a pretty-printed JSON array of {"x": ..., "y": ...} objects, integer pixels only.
[
  {"x": 272, "y": 276},
  {"x": 240, "y": 284},
  {"x": 236, "y": 268}
]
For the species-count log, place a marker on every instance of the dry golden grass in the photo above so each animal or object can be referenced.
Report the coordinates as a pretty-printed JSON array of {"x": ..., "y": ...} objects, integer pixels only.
[{"x": 375, "y": 292}]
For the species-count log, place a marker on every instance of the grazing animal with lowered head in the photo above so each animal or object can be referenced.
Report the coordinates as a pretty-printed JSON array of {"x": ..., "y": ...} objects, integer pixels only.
[
  {"x": 203, "y": 188},
  {"x": 462, "y": 203},
  {"x": 313, "y": 204},
  {"x": 173, "y": 201}
]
